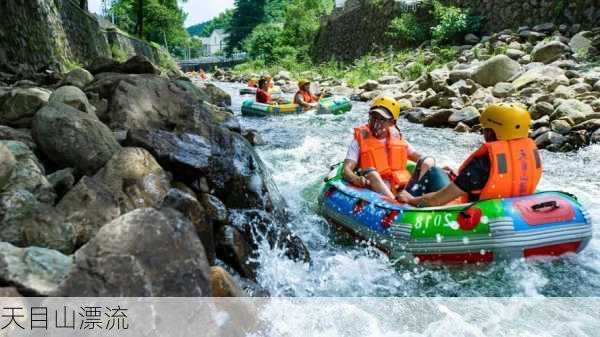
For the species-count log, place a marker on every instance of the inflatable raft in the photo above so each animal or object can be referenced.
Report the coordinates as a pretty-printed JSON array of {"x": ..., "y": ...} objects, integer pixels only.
[
  {"x": 252, "y": 108},
  {"x": 543, "y": 224},
  {"x": 334, "y": 105},
  {"x": 275, "y": 91}
]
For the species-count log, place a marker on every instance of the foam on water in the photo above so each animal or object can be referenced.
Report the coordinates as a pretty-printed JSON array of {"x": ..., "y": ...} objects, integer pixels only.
[{"x": 299, "y": 151}]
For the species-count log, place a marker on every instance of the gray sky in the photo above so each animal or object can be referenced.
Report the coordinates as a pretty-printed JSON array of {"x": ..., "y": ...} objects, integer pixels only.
[{"x": 198, "y": 10}]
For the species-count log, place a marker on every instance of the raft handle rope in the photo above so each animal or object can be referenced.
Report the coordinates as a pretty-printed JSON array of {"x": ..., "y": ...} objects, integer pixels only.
[
  {"x": 547, "y": 205},
  {"x": 331, "y": 168}
]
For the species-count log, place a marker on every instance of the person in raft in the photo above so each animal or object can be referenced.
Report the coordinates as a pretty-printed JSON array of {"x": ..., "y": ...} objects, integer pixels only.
[
  {"x": 304, "y": 97},
  {"x": 507, "y": 165},
  {"x": 264, "y": 96},
  {"x": 378, "y": 156},
  {"x": 262, "y": 93},
  {"x": 253, "y": 83}
]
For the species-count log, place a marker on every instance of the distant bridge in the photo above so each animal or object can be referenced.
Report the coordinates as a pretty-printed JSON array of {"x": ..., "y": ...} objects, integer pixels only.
[{"x": 208, "y": 63}]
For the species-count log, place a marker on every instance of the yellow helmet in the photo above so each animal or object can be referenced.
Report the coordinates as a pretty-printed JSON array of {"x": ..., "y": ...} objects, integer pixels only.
[
  {"x": 303, "y": 82},
  {"x": 390, "y": 104},
  {"x": 507, "y": 121}
]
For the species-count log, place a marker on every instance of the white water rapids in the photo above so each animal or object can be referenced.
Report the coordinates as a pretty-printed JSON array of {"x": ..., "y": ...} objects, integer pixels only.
[{"x": 299, "y": 151}]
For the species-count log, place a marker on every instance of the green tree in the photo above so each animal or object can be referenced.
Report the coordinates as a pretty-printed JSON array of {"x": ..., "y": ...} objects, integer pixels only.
[
  {"x": 263, "y": 41},
  {"x": 160, "y": 21},
  {"x": 246, "y": 16},
  {"x": 204, "y": 29}
]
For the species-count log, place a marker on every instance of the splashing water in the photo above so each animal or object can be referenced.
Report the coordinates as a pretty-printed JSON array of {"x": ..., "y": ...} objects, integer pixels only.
[{"x": 299, "y": 151}]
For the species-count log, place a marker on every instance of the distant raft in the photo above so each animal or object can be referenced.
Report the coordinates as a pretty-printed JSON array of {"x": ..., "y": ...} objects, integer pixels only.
[
  {"x": 542, "y": 224},
  {"x": 275, "y": 91},
  {"x": 334, "y": 105},
  {"x": 252, "y": 108}
]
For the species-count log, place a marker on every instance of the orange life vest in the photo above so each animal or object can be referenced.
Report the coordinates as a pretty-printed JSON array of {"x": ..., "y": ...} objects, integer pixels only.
[
  {"x": 516, "y": 168},
  {"x": 307, "y": 97},
  {"x": 390, "y": 162}
]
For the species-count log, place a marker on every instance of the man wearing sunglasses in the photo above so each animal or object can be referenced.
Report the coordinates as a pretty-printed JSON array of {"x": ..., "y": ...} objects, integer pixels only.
[{"x": 378, "y": 156}]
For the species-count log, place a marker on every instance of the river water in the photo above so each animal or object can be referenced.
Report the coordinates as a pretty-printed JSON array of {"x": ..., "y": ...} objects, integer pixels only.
[{"x": 299, "y": 151}]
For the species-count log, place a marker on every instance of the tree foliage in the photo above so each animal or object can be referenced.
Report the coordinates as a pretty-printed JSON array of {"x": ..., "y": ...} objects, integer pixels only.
[
  {"x": 204, "y": 29},
  {"x": 287, "y": 30},
  {"x": 434, "y": 21},
  {"x": 247, "y": 15},
  {"x": 160, "y": 21}
]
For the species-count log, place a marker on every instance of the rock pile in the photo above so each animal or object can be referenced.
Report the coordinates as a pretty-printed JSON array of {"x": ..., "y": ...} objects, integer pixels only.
[{"x": 117, "y": 181}]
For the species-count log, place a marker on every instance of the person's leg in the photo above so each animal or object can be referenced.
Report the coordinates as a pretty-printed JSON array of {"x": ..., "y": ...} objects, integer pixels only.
[
  {"x": 423, "y": 166},
  {"x": 378, "y": 185},
  {"x": 433, "y": 180}
]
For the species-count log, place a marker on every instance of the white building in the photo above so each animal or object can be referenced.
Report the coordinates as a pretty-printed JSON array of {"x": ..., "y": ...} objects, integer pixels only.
[{"x": 215, "y": 43}]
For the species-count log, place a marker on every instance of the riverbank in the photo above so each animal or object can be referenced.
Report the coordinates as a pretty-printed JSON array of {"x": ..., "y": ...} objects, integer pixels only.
[
  {"x": 123, "y": 181},
  {"x": 552, "y": 71}
]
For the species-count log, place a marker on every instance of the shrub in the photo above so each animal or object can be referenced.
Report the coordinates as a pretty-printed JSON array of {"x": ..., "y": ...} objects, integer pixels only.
[
  {"x": 435, "y": 21},
  {"x": 407, "y": 27},
  {"x": 453, "y": 23}
]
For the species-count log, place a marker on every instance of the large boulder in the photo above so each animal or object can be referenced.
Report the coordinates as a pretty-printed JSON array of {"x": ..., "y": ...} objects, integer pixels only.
[
  {"x": 186, "y": 155},
  {"x": 540, "y": 74},
  {"x": 237, "y": 244},
  {"x": 468, "y": 115},
  {"x": 150, "y": 101},
  {"x": 7, "y": 165},
  {"x": 19, "y": 106},
  {"x": 232, "y": 248},
  {"x": 283, "y": 75},
  {"x": 138, "y": 64},
  {"x": 72, "y": 96},
  {"x": 27, "y": 173},
  {"x": 581, "y": 43},
  {"x": 550, "y": 138},
  {"x": 541, "y": 109},
  {"x": 223, "y": 285},
  {"x": 500, "y": 68},
  {"x": 72, "y": 138},
  {"x": 227, "y": 161},
  {"x": 418, "y": 115},
  {"x": 16, "y": 208},
  {"x": 216, "y": 95},
  {"x": 146, "y": 252},
  {"x": 34, "y": 271},
  {"x": 20, "y": 135},
  {"x": 369, "y": 85},
  {"x": 78, "y": 77},
  {"x": 193, "y": 210},
  {"x": 503, "y": 89},
  {"x": 135, "y": 179},
  {"x": 259, "y": 226},
  {"x": 48, "y": 228},
  {"x": 389, "y": 79},
  {"x": 88, "y": 206},
  {"x": 439, "y": 118},
  {"x": 547, "y": 52},
  {"x": 573, "y": 109}
]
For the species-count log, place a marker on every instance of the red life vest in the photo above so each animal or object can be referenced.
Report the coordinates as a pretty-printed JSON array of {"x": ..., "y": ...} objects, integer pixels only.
[
  {"x": 307, "y": 97},
  {"x": 516, "y": 168},
  {"x": 390, "y": 163}
]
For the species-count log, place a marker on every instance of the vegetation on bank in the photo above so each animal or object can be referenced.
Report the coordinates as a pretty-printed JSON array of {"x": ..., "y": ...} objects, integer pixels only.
[
  {"x": 282, "y": 41},
  {"x": 204, "y": 29},
  {"x": 408, "y": 64},
  {"x": 158, "y": 21}
]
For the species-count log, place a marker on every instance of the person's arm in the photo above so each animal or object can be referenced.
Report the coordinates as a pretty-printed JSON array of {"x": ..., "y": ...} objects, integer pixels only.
[
  {"x": 300, "y": 100},
  {"x": 439, "y": 198},
  {"x": 350, "y": 176}
]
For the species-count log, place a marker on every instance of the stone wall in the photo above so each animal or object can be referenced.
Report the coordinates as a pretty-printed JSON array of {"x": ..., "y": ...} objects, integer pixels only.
[
  {"x": 501, "y": 14},
  {"x": 56, "y": 34},
  {"x": 360, "y": 27},
  {"x": 354, "y": 31}
]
